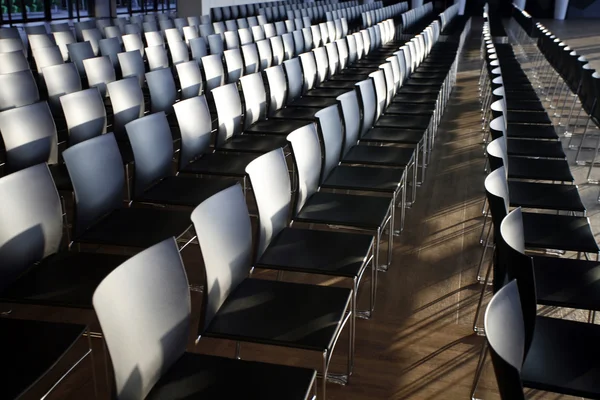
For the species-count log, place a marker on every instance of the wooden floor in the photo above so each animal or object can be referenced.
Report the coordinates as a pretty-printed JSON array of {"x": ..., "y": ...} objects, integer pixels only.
[{"x": 419, "y": 344}]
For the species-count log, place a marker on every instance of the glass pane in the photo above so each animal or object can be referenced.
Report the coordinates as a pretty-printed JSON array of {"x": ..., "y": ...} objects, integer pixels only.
[
  {"x": 122, "y": 6},
  {"x": 59, "y": 9},
  {"x": 35, "y": 9},
  {"x": 81, "y": 6}
]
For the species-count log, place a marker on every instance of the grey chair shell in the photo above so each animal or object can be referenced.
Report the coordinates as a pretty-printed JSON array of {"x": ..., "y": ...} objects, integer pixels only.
[
  {"x": 289, "y": 50},
  {"x": 232, "y": 40},
  {"x": 251, "y": 59},
  {"x": 173, "y": 36},
  {"x": 245, "y": 36},
  {"x": 29, "y": 136},
  {"x": 32, "y": 229},
  {"x": 127, "y": 100},
  {"x": 40, "y": 41},
  {"x": 8, "y": 45},
  {"x": 270, "y": 31},
  {"x": 216, "y": 44},
  {"x": 35, "y": 29},
  {"x": 295, "y": 84},
  {"x": 46, "y": 57},
  {"x": 94, "y": 36},
  {"x": 194, "y": 120},
  {"x": 277, "y": 50},
  {"x": 213, "y": 71},
  {"x": 307, "y": 154},
  {"x": 277, "y": 88},
  {"x": 255, "y": 99},
  {"x": 258, "y": 33},
  {"x": 79, "y": 52},
  {"x": 154, "y": 38},
  {"x": 190, "y": 32},
  {"x": 234, "y": 64},
  {"x": 190, "y": 79},
  {"x": 18, "y": 89},
  {"x": 265, "y": 54},
  {"x": 163, "y": 92},
  {"x": 132, "y": 64},
  {"x": 62, "y": 39},
  {"x": 198, "y": 49},
  {"x": 13, "y": 62},
  {"x": 133, "y": 42},
  {"x": 85, "y": 115},
  {"x": 229, "y": 111},
  {"x": 111, "y": 48},
  {"x": 157, "y": 58},
  {"x": 99, "y": 71},
  {"x": 179, "y": 53},
  {"x": 299, "y": 46},
  {"x": 309, "y": 42},
  {"x": 309, "y": 69},
  {"x": 60, "y": 80}
]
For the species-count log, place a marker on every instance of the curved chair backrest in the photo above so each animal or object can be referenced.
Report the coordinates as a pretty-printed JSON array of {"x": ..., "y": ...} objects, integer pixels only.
[
  {"x": 190, "y": 79},
  {"x": 62, "y": 39},
  {"x": 133, "y": 42},
  {"x": 224, "y": 234},
  {"x": 496, "y": 189},
  {"x": 190, "y": 32},
  {"x": 206, "y": 30},
  {"x": 163, "y": 92},
  {"x": 13, "y": 62},
  {"x": 234, "y": 64},
  {"x": 388, "y": 83},
  {"x": 496, "y": 153},
  {"x": 252, "y": 20},
  {"x": 232, "y": 40},
  {"x": 131, "y": 29},
  {"x": 258, "y": 33},
  {"x": 198, "y": 48},
  {"x": 85, "y": 115},
  {"x": 277, "y": 49},
  {"x": 193, "y": 118},
  {"x": 307, "y": 158},
  {"x": 251, "y": 60},
  {"x": 280, "y": 28},
  {"x": 173, "y": 36},
  {"x": 111, "y": 48},
  {"x": 179, "y": 53},
  {"x": 231, "y": 25},
  {"x": 150, "y": 26},
  {"x": 402, "y": 66},
  {"x": 60, "y": 80},
  {"x": 360, "y": 45},
  {"x": 165, "y": 24},
  {"x": 46, "y": 57},
  {"x": 127, "y": 100},
  {"x": 380, "y": 91},
  {"x": 352, "y": 49},
  {"x": 332, "y": 137},
  {"x": 368, "y": 102},
  {"x": 333, "y": 58},
  {"x": 8, "y": 45},
  {"x": 99, "y": 71},
  {"x": 316, "y": 36},
  {"x": 79, "y": 52},
  {"x": 392, "y": 82},
  {"x": 309, "y": 39},
  {"x": 298, "y": 38},
  {"x": 213, "y": 71},
  {"x": 39, "y": 41},
  {"x": 342, "y": 51},
  {"x": 157, "y": 58},
  {"x": 265, "y": 54},
  {"x": 132, "y": 65},
  {"x": 229, "y": 111},
  {"x": 194, "y": 20},
  {"x": 289, "y": 26},
  {"x": 505, "y": 334},
  {"x": 215, "y": 44},
  {"x": 154, "y": 38},
  {"x": 309, "y": 69},
  {"x": 96, "y": 170},
  {"x": 113, "y": 32},
  {"x": 29, "y": 136},
  {"x": 144, "y": 311},
  {"x": 293, "y": 72},
  {"x": 152, "y": 145},
  {"x": 35, "y": 29},
  {"x": 271, "y": 186},
  {"x": 277, "y": 88},
  {"x": 18, "y": 89},
  {"x": 255, "y": 99},
  {"x": 94, "y": 36},
  {"x": 31, "y": 215},
  {"x": 245, "y": 36},
  {"x": 270, "y": 31}
]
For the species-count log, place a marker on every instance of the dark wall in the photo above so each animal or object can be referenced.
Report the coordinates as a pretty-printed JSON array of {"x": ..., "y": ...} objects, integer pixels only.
[
  {"x": 583, "y": 9},
  {"x": 540, "y": 8}
]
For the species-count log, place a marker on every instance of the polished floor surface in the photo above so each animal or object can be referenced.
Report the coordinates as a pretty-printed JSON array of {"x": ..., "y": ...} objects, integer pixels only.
[{"x": 419, "y": 344}]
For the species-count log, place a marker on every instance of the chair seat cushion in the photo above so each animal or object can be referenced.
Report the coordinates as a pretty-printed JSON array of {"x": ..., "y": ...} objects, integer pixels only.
[
  {"x": 350, "y": 76},
  {"x": 313, "y": 102},
  {"x": 419, "y": 89},
  {"x": 416, "y": 98},
  {"x": 525, "y": 105},
  {"x": 559, "y": 232},
  {"x": 199, "y": 376},
  {"x": 380, "y": 155},
  {"x": 524, "y": 95},
  {"x": 411, "y": 109},
  {"x": 522, "y": 131},
  {"x": 378, "y": 179},
  {"x": 31, "y": 349},
  {"x": 275, "y": 126},
  {"x": 429, "y": 75},
  {"x": 535, "y": 148},
  {"x": 327, "y": 92},
  {"x": 220, "y": 163},
  {"x": 563, "y": 358},
  {"x": 519, "y": 117},
  {"x": 282, "y": 314},
  {"x": 298, "y": 113},
  {"x": 253, "y": 143},
  {"x": 367, "y": 212},
  {"x": 565, "y": 282},
  {"x": 184, "y": 190},
  {"x": 416, "y": 122},
  {"x": 391, "y": 135},
  {"x": 539, "y": 169},
  {"x": 65, "y": 279},
  {"x": 318, "y": 252},
  {"x": 137, "y": 227},
  {"x": 547, "y": 196},
  {"x": 339, "y": 84}
]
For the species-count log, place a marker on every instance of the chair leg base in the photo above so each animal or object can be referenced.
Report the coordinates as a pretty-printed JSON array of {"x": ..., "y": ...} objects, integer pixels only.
[
  {"x": 383, "y": 268},
  {"x": 338, "y": 379},
  {"x": 365, "y": 314}
]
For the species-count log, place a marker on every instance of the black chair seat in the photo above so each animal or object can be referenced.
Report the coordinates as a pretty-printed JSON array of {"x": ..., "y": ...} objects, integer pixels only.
[
  {"x": 198, "y": 376},
  {"x": 126, "y": 151},
  {"x": 436, "y": 82},
  {"x": 366, "y": 212},
  {"x": 561, "y": 232},
  {"x": 313, "y": 102},
  {"x": 412, "y": 109},
  {"x": 327, "y": 92},
  {"x": 184, "y": 190},
  {"x": 66, "y": 279},
  {"x": 377, "y": 179},
  {"x": 391, "y": 135},
  {"x": 360, "y": 69},
  {"x": 547, "y": 196},
  {"x": 351, "y": 76},
  {"x": 299, "y": 113},
  {"x": 419, "y": 89},
  {"x": 379, "y": 155},
  {"x": 525, "y": 105},
  {"x": 339, "y": 84},
  {"x": 223, "y": 164},
  {"x": 30, "y": 349},
  {"x": 527, "y": 95},
  {"x": 416, "y": 98},
  {"x": 535, "y": 148},
  {"x": 515, "y": 117},
  {"x": 429, "y": 75},
  {"x": 137, "y": 227},
  {"x": 539, "y": 169},
  {"x": 565, "y": 282},
  {"x": 522, "y": 131},
  {"x": 253, "y": 143},
  {"x": 416, "y": 122},
  {"x": 563, "y": 358},
  {"x": 61, "y": 177},
  {"x": 257, "y": 311},
  {"x": 275, "y": 126},
  {"x": 331, "y": 253}
]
